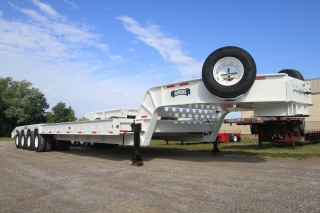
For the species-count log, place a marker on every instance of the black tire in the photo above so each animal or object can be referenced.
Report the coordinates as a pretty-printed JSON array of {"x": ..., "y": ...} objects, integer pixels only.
[
  {"x": 49, "y": 143},
  {"x": 293, "y": 73},
  {"x": 30, "y": 142},
  {"x": 39, "y": 142},
  {"x": 24, "y": 144},
  {"x": 60, "y": 145},
  {"x": 67, "y": 145},
  {"x": 232, "y": 87},
  {"x": 239, "y": 139},
  {"x": 17, "y": 140}
]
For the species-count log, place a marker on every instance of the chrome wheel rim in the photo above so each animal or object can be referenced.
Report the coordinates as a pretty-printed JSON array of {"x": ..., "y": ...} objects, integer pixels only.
[{"x": 228, "y": 71}]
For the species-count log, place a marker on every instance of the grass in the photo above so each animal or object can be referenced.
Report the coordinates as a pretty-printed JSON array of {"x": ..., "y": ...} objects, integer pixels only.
[
  {"x": 6, "y": 139},
  {"x": 248, "y": 147}
]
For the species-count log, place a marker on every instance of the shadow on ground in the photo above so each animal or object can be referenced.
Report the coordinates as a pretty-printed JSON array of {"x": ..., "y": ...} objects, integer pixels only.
[{"x": 122, "y": 153}]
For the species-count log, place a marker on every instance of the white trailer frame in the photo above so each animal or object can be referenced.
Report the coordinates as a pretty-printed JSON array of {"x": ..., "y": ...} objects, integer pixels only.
[
  {"x": 185, "y": 113},
  {"x": 186, "y": 110}
]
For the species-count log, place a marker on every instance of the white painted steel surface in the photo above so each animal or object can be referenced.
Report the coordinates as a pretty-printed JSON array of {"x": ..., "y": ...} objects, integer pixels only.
[
  {"x": 106, "y": 114},
  {"x": 188, "y": 111}
]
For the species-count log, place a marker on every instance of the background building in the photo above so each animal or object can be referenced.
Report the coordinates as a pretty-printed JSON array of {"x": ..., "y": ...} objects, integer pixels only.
[{"x": 314, "y": 111}]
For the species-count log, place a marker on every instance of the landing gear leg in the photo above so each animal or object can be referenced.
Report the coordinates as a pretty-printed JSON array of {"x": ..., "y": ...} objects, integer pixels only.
[
  {"x": 136, "y": 160},
  {"x": 215, "y": 147}
]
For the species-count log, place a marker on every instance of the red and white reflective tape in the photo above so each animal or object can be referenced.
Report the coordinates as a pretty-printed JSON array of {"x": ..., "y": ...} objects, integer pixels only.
[
  {"x": 182, "y": 84},
  {"x": 260, "y": 78}
]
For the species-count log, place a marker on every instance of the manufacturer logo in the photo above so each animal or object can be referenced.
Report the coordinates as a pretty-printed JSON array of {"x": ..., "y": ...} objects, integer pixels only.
[{"x": 177, "y": 92}]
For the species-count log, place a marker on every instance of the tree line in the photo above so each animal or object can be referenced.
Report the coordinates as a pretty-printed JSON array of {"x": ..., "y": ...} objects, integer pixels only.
[{"x": 21, "y": 104}]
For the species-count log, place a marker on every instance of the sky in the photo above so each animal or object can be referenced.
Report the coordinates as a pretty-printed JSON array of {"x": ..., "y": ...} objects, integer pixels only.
[{"x": 97, "y": 55}]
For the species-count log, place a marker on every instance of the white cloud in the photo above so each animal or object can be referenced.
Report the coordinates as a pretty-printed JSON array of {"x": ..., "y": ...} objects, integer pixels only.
[
  {"x": 72, "y": 4},
  {"x": 47, "y": 9},
  {"x": 52, "y": 36},
  {"x": 169, "y": 48}
]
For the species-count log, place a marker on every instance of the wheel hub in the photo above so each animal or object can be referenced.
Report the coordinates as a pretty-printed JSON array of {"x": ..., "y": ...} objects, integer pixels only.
[{"x": 228, "y": 71}]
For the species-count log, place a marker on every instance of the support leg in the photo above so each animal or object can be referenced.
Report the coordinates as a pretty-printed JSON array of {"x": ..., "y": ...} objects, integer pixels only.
[
  {"x": 215, "y": 147},
  {"x": 136, "y": 160},
  {"x": 260, "y": 136},
  {"x": 292, "y": 141}
]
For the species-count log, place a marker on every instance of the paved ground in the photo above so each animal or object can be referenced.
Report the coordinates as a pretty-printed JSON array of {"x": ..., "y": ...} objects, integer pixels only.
[{"x": 89, "y": 180}]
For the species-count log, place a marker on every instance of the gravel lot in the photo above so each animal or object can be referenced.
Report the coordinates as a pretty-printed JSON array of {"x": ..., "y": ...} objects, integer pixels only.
[{"x": 91, "y": 180}]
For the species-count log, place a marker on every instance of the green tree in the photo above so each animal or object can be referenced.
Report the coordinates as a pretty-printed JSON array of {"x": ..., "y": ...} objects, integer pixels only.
[
  {"x": 82, "y": 119},
  {"x": 61, "y": 113},
  {"x": 20, "y": 104}
]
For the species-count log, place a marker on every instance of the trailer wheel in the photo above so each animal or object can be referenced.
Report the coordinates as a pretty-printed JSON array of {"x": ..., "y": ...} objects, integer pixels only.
[
  {"x": 233, "y": 138},
  {"x": 67, "y": 145},
  {"x": 229, "y": 72},
  {"x": 18, "y": 140},
  {"x": 239, "y": 139},
  {"x": 49, "y": 143},
  {"x": 60, "y": 145},
  {"x": 24, "y": 144},
  {"x": 30, "y": 141},
  {"x": 293, "y": 73},
  {"x": 39, "y": 142}
]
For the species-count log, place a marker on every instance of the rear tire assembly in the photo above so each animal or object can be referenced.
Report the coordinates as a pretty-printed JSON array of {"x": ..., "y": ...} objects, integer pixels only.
[{"x": 229, "y": 72}]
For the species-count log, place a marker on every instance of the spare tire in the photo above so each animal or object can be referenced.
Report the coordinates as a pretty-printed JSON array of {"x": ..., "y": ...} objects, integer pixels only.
[
  {"x": 229, "y": 72},
  {"x": 293, "y": 73}
]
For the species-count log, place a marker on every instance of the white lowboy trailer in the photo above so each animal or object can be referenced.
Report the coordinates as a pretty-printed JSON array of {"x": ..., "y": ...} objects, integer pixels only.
[{"x": 190, "y": 110}]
